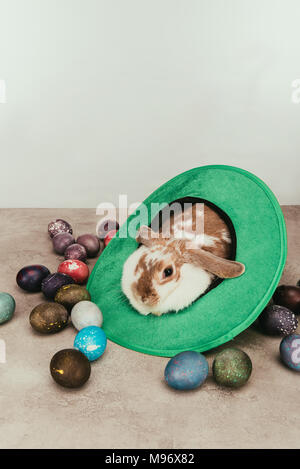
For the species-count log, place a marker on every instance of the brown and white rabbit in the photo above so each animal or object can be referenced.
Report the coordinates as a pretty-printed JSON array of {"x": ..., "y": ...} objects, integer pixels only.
[{"x": 168, "y": 273}]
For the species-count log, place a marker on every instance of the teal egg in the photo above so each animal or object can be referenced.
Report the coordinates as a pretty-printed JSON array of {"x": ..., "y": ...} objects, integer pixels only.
[{"x": 7, "y": 307}]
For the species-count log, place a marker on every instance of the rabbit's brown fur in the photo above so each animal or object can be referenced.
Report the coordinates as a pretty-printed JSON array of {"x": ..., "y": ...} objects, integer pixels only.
[{"x": 199, "y": 255}]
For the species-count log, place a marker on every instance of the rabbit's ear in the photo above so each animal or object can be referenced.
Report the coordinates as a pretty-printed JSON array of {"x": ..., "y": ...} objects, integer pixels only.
[
  {"x": 223, "y": 268},
  {"x": 146, "y": 236}
]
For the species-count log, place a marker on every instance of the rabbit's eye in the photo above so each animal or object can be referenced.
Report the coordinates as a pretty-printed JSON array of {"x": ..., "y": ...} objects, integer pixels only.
[{"x": 168, "y": 272}]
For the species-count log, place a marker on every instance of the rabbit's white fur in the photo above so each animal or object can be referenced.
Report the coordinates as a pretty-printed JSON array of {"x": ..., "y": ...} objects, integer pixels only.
[
  {"x": 148, "y": 287},
  {"x": 173, "y": 297}
]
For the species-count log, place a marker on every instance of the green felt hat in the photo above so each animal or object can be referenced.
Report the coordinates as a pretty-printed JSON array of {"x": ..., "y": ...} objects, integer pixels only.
[{"x": 224, "y": 311}]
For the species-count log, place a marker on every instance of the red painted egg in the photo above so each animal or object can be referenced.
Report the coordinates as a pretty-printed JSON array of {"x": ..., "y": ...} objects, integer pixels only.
[
  {"x": 109, "y": 236},
  {"x": 76, "y": 269}
]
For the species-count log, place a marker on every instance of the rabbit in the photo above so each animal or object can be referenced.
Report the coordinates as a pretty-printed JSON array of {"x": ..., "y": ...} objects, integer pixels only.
[{"x": 170, "y": 270}]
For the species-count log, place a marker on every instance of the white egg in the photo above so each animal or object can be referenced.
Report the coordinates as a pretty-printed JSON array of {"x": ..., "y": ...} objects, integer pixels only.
[{"x": 86, "y": 313}]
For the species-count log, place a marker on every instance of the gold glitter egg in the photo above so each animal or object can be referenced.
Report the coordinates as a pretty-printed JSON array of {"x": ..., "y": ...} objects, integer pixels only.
[{"x": 48, "y": 318}]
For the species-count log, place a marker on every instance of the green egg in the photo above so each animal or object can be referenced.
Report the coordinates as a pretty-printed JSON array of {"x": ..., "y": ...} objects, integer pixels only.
[
  {"x": 7, "y": 307},
  {"x": 232, "y": 367}
]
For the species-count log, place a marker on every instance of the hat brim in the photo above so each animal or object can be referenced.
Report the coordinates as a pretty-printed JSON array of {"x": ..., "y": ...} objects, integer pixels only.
[{"x": 226, "y": 310}]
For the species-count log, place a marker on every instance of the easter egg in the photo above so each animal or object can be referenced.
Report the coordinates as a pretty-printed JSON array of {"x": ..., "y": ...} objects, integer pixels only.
[
  {"x": 69, "y": 295},
  {"x": 76, "y": 251},
  {"x": 90, "y": 243},
  {"x": 105, "y": 226},
  {"x": 7, "y": 307},
  {"x": 91, "y": 341},
  {"x": 61, "y": 241},
  {"x": 288, "y": 296},
  {"x": 59, "y": 226},
  {"x": 187, "y": 370},
  {"x": 53, "y": 283},
  {"x": 86, "y": 313},
  {"x": 232, "y": 367},
  {"x": 30, "y": 278},
  {"x": 76, "y": 269},
  {"x": 290, "y": 351},
  {"x": 70, "y": 368},
  {"x": 48, "y": 318},
  {"x": 277, "y": 320},
  {"x": 109, "y": 237}
]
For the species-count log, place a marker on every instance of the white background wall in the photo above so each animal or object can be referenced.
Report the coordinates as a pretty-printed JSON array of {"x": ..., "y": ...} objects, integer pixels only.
[{"x": 117, "y": 96}]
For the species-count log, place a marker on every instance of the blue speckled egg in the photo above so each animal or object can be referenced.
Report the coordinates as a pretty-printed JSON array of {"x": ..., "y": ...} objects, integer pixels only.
[
  {"x": 91, "y": 341},
  {"x": 187, "y": 370},
  {"x": 290, "y": 351},
  {"x": 7, "y": 307}
]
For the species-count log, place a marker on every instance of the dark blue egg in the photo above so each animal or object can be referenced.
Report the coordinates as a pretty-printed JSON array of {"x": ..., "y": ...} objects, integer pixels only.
[
  {"x": 187, "y": 370},
  {"x": 290, "y": 351},
  {"x": 53, "y": 282},
  {"x": 30, "y": 278}
]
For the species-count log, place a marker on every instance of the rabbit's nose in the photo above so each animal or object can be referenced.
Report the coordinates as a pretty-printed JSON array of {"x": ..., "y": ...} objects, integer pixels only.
[{"x": 148, "y": 297}]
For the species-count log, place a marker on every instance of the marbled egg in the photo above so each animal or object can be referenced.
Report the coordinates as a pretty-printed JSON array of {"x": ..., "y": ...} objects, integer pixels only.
[
  {"x": 91, "y": 341},
  {"x": 59, "y": 226},
  {"x": 105, "y": 226},
  {"x": 290, "y": 351},
  {"x": 30, "y": 278},
  {"x": 187, "y": 370},
  {"x": 70, "y": 368},
  {"x": 48, "y": 318},
  {"x": 61, "y": 241},
  {"x": 7, "y": 307},
  {"x": 288, "y": 296},
  {"x": 70, "y": 295},
  {"x": 277, "y": 320},
  {"x": 53, "y": 283},
  {"x": 86, "y": 313},
  {"x": 78, "y": 270},
  {"x": 90, "y": 243},
  {"x": 232, "y": 367},
  {"x": 76, "y": 251}
]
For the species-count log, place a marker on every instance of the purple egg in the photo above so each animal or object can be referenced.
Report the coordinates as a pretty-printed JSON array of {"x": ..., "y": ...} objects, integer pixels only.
[
  {"x": 30, "y": 278},
  {"x": 76, "y": 252},
  {"x": 106, "y": 226},
  {"x": 277, "y": 320},
  {"x": 90, "y": 243},
  {"x": 59, "y": 226},
  {"x": 61, "y": 241},
  {"x": 53, "y": 282}
]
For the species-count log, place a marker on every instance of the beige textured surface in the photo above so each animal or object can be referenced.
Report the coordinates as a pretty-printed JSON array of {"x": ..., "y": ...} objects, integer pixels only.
[{"x": 126, "y": 403}]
